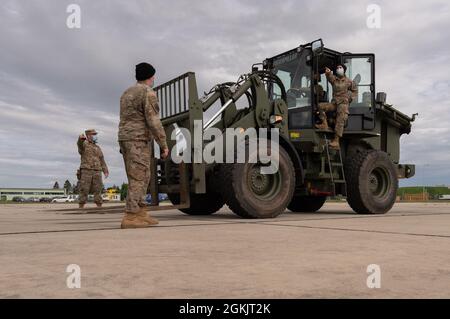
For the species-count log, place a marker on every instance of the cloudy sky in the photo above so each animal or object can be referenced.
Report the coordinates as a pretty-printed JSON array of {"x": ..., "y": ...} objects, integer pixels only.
[{"x": 56, "y": 81}]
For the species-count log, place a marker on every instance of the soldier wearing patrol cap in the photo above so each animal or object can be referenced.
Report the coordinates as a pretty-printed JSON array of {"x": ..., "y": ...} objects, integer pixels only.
[{"x": 91, "y": 168}]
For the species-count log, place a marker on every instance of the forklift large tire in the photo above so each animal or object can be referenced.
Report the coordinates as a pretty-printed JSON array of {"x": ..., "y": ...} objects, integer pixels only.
[
  {"x": 372, "y": 182},
  {"x": 304, "y": 204},
  {"x": 201, "y": 204},
  {"x": 251, "y": 194}
]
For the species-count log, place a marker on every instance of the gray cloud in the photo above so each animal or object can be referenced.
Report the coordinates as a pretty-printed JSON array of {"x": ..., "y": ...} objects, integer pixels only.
[{"x": 55, "y": 82}]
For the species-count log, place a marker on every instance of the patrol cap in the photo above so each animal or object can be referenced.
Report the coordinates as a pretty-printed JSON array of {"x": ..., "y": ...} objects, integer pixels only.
[{"x": 90, "y": 132}]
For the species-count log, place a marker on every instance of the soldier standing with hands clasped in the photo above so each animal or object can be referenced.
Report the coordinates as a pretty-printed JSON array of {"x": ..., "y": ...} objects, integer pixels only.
[
  {"x": 92, "y": 165},
  {"x": 139, "y": 126}
]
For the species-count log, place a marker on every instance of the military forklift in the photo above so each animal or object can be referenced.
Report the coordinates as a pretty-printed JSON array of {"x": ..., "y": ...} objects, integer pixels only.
[{"x": 283, "y": 92}]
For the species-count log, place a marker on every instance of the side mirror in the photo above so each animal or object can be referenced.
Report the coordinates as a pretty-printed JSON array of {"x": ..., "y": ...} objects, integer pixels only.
[
  {"x": 317, "y": 46},
  {"x": 255, "y": 67}
]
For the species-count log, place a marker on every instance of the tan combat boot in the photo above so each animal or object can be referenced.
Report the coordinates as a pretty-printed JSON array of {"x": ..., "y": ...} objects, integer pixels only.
[
  {"x": 131, "y": 220},
  {"x": 334, "y": 144},
  {"x": 81, "y": 206},
  {"x": 143, "y": 215},
  {"x": 322, "y": 126}
]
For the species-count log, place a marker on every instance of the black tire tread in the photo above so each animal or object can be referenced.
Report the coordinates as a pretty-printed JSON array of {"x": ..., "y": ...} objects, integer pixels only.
[
  {"x": 232, "y": 199},
  {"x": 304, "y": 204},
  {"x": 352, "y": 173},
  {"x": 352, "y": 167},
  {"x": 201, "y": 204}
]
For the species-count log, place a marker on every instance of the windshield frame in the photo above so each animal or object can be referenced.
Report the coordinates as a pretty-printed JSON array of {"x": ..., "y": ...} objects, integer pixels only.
[{"x": 304, "y": 58}]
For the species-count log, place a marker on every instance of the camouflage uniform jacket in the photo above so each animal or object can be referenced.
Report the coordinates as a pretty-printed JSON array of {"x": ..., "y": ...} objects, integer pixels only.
[
  {"x": 91, "y": 156},
  {"x": 344, "y": 89},
  {"x": 139, "y": 116}
]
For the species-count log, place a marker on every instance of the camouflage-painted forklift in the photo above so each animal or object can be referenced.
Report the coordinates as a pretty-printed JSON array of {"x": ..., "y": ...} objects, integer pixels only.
[{"x": 281, "y": 93}]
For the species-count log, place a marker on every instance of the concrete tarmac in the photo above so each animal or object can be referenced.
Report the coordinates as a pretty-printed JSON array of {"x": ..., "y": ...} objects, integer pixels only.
[{"x": 307, "y": 255}]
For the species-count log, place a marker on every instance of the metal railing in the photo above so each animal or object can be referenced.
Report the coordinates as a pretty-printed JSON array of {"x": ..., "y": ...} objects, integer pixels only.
[{"x": 174, "y": 95}]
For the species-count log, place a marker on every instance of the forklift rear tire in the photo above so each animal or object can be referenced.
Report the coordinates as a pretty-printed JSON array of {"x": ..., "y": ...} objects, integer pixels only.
[
  {"x": 201, "y": 204},
  {"x": 304, "y": 204},
  {"x": 251, "y": 194},
  {"x": 372, "y": 182}
]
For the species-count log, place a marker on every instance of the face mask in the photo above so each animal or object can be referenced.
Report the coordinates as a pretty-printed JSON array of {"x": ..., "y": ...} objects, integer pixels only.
[
  {"x": 340, "y": 71},
  {"x": 94, "y": 139}
]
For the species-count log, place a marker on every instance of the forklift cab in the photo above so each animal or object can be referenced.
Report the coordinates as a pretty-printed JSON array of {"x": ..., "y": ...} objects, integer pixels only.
[{"x": 302, "y": 71}]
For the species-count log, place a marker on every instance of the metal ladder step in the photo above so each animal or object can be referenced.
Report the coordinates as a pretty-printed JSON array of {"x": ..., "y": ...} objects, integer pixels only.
[
  {"x": 336, "y": 164},
  {"x": 331, "y": 165}
]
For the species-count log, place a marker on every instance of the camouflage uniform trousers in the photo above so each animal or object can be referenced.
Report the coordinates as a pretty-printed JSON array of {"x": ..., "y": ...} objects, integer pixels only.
[
  {"x": 342, "y": 112},
  {"x": 91, "y": 182},
  {"x": 136, "y": 155}
]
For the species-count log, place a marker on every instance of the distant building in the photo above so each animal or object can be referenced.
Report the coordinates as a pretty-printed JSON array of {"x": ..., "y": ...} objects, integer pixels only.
[
  {"x": 10, "y": 193},
  {"x": 111, "y": 195},
  {"x": 416, "y": 197}
]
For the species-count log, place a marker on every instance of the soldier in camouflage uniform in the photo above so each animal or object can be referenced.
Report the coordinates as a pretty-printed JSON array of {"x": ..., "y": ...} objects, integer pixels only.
[
  {"x": 344, "y": 91},
  {"x": 139, "y": 126},
  {"x": 91, "y": 168}
]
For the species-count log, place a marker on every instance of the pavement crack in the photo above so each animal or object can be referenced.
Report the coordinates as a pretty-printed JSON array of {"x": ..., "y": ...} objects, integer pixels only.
[{"x": 357, "y": 230}]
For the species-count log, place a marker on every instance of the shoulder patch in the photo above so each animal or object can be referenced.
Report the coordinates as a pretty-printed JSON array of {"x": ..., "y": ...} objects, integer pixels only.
[{"x": 151, "y": 92}]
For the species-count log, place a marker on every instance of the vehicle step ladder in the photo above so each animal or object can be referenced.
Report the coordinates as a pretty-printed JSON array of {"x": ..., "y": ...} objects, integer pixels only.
[{"x": 332, "y": 163}]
